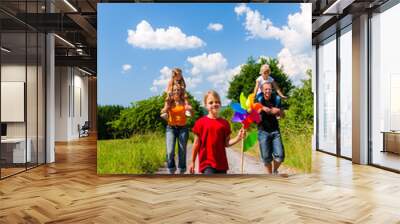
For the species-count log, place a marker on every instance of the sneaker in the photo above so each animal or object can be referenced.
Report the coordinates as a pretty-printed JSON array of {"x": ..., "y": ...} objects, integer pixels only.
[
  {"x": 276, "y": 173},
  {"x": 188, "y": 114},
  {"x": 164, "y": 116}
]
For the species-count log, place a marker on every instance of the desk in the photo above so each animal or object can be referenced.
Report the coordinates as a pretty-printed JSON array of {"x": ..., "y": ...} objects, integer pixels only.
[
  {"x": 391, "y": 141},
  {"x": 15, "y": 148}
]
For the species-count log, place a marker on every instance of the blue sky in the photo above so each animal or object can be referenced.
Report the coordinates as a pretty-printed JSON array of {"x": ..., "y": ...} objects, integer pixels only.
[{"x": 208, "y": 42}]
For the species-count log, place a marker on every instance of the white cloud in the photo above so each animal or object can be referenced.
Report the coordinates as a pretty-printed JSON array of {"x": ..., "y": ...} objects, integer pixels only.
[
  {"x": 222, "y": 79},
  {"x": 215, "y": 26},
  {"x": 192, "y": 82},
  {"x": 207, "y": 63},
  {"x": 214, "y": 67},
  {"x": 170, "y": 38},
  {"x": 160, "y": 84},
  {"x": 211, "y": 67},
  {"x": 126, "y": 68},
  {"x": 240, "y": 9},
  {"x": 295, "y": 36},
  {"x": 294, "y": 65}
]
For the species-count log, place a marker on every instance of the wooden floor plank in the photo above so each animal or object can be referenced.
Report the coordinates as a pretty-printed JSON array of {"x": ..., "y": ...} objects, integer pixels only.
[{"x": 70, "y": 191}]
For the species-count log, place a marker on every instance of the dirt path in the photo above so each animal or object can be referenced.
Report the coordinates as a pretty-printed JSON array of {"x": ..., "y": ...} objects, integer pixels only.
[{"x": 251, "y": 165}]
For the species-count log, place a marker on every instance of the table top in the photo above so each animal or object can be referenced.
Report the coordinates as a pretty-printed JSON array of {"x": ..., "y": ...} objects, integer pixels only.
[
  {"x": 391, "y": 132},
  {"x": 13, "y": 140}
]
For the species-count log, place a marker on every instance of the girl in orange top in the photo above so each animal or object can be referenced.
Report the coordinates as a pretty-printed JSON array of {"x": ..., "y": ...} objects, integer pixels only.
[
  {"x": 176, "y": 81},
  {"x": 176, "y": 130}
]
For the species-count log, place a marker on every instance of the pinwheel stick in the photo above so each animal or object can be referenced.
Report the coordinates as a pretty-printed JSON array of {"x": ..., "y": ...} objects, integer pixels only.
[{"x": 242, "y": 156}]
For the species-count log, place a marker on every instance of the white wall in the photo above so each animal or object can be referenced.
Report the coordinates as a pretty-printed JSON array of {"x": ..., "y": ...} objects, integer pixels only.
[
  {"x": 71, "y": 87},
  {"x": 61, "y": 103},
  {"x": 33, "y": 126},
  {"x": 12, "y": 73}
]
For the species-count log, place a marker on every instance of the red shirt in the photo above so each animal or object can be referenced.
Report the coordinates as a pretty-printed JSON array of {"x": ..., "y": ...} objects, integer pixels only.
[{"x": 212, "y": 134}]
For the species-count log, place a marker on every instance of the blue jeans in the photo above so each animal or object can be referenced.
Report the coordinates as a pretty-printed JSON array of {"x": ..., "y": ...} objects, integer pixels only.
[
  {"x": 274, "y": 96},
  {"x": 271, "y": 147},
  {"x": 181, "y": 134}
]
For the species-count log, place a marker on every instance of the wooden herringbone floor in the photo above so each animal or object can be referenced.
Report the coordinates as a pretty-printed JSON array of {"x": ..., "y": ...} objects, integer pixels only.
[{"x": 70, "y": 191}]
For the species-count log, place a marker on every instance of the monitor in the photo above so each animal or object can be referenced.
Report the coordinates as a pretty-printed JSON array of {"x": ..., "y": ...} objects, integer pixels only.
[{"x": 3, "y": 129}]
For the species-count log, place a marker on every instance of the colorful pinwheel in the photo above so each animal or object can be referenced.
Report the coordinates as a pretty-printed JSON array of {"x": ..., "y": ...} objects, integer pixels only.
[{"x": 246, "y": 113}]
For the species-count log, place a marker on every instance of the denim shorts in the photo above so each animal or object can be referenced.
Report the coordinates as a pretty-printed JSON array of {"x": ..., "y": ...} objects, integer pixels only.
[{"x": 271, "y": 147}]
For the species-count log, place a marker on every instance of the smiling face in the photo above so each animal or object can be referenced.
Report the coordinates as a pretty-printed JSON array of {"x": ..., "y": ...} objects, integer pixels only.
[
  {"x": 212, "y": 102},
  {"x": 176, "y": 93},
  {"x": 267, "y": 90},
  {"x": 264, "y": 70}
]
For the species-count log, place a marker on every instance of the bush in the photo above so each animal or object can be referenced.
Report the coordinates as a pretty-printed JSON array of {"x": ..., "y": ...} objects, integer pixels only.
[
  {"x": 144, "y": 117},
  {"x": 300, "y": 115},
  {"x": 297, "y": 126},
  {"x": 105, "y": 115}
]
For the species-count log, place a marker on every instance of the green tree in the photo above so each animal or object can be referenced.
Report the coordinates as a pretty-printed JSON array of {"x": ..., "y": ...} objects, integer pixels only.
[
  {"x": 301, "y": 101},
  {"x": 245, "y": 80},
  {"x": 105, "y": 115},
  {"x": 144, "y": 117}
]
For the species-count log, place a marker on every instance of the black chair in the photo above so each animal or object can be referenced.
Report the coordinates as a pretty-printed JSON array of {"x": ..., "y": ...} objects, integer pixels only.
[{"x": 84, "y": 130}]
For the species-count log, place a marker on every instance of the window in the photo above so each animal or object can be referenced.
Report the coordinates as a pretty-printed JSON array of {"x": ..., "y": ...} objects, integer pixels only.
[
  {"x": 385, "y": 88},
  {"x": 346, "y": 92},
  {"x": 327, "y": 95}
]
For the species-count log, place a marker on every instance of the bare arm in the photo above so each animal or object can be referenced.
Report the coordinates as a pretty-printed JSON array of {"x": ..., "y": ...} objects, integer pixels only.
[
  {"x": 256, "y": 88},
  {"x": 195, "y": 151},
  {"x": 232, "y": 141},
  {"x": 273, "y": 110},
  {"x": 165, "y": 108},
  {"x": 187, "y": 104},
  {"x": 278, "y": 90}
]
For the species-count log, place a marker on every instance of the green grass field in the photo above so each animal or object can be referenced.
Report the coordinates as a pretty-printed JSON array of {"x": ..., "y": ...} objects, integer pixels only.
[
  {"x": 297, "y": 150},
  {"x": 145, "y": 154},
  {"x": 140, "y": 154}
]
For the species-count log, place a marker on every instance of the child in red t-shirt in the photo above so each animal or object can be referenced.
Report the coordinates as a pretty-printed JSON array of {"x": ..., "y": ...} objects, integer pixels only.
[{"x": 212, "y": 136}]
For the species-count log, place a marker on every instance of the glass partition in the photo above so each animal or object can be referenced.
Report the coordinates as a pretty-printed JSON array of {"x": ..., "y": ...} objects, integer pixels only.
[
  {"x": 14, "y": 153},
  {"x": 346, "y": 92},
  {"x": 327, "y": 95},
  {"x": 385, "y": 89},
  {"x": 23, "y": 91}
]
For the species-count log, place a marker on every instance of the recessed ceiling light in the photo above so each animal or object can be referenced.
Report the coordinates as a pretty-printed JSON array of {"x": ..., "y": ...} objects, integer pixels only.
[
  {"x": 337, "y": 7},
  {"x": 64, "y": 40},
  {"x": 70, "y": 5},
  {"x": 84, "y": 71},
  {"x": 5, "y": 50}
]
